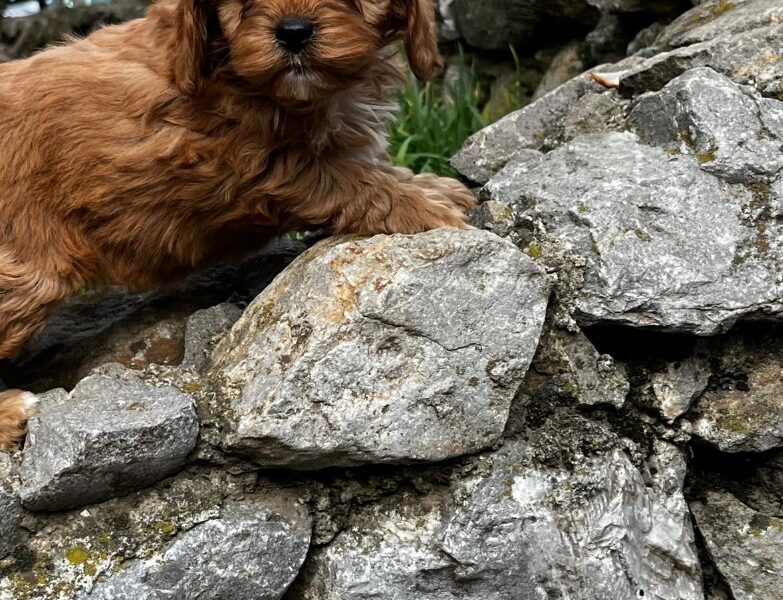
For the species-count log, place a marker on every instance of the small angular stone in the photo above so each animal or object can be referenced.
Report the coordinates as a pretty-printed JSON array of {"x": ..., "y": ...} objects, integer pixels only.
[
  {"x": 733, "y": 131},
  {"x": 202, "y": 329},
  {"x": 675, "y": 389},
  {"x": 109, "y": 436}
]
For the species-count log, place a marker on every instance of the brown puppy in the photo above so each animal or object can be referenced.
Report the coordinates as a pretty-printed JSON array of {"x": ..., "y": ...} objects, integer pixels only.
[{"x": 197, "y": 134}]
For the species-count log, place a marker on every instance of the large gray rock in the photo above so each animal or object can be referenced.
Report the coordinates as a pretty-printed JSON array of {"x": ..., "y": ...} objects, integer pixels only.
[
  {"x": 204, "y": 533},
  {"x": 518, "y": 526},
  {"x": 388, "y": 349},
  {"x": 110, "y": 435},
  {"x": 251, "y": 552},
  {"x": 667, "y": 244},
  {"x": 746, "y": 546}
]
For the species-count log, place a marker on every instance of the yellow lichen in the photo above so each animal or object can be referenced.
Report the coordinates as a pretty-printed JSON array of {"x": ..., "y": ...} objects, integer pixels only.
[
  {"x": 534, "y": 250},
  {"x": 77, "y": 555}
]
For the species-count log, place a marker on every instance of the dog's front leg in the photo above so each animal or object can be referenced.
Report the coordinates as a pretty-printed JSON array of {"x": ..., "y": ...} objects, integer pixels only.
[
  {"x": 394, "y": 200},
  {"x": 26, "y": 298}
]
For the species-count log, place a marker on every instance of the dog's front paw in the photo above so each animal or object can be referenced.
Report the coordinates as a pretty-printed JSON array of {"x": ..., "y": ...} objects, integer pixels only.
[
  {"x": 447, "y": 190},
  {"x": 16, "y": 408},
  {"x": 420, "y": 209}
]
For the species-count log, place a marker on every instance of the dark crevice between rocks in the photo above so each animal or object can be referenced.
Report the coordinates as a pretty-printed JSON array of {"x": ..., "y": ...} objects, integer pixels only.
[
  {"x": 715, "y": 585},
  {"x": 754, "y": 478},
  {"x": 649, "y": 347}
]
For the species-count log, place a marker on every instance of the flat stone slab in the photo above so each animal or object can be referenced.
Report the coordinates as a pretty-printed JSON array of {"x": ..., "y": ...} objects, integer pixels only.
[
  {"x": 383, "y": 350},
  {"x": 109, "y": 436}
]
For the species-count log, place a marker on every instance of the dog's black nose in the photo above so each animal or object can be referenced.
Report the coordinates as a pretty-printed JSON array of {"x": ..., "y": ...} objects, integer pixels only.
[{"x": 295, "y": 33}]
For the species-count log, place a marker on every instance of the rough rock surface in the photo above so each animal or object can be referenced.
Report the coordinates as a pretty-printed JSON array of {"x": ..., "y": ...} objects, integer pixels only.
[
  {"x": 10, "y": 516},
  {"x": 390, "y": 349},
  {"x": 203, "y": 328},
  {"x": 715, "y": 19},
  {"x": 108, "y": 436},
  {"x": 667, "y": 244},
  {"x": 743, "y": 410},
  {"x": 747, "y": 546},
  {"x": 748, "y": 57},
  {"x": 734, "y": 132},
  {"x": 209, "y": 526},
  {"x": 249, "y": 553},
  {"x": 523, "y": 524}
]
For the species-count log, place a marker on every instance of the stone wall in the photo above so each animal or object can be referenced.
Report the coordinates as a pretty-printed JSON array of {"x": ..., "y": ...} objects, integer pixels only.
[{"x": 579, "y": 398}]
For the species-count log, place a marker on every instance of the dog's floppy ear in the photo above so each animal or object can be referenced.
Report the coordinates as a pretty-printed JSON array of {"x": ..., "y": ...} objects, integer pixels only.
[
  {"x": 419, "y": 34},
  {"x": 191, "y": 44}
]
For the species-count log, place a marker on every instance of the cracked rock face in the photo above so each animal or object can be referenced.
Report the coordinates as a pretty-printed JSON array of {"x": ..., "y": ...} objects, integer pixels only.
[
  {"x": 668, "y": 245},
  {"x": 747, "y": 546},
  {"x": 109, "y": 436},
  {"x": 748, "y": 57},
  {"x": 580, "y": 371},
  {"x": 249, "y": 553},
  {"x": 519, "y": 527},
  {"x": 714, "y": 19},
  {"x": 389, "y": 349}
]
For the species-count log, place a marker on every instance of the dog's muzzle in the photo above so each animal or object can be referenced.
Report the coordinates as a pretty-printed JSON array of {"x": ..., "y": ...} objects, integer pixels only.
[{"x": 294, "y": 34}]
